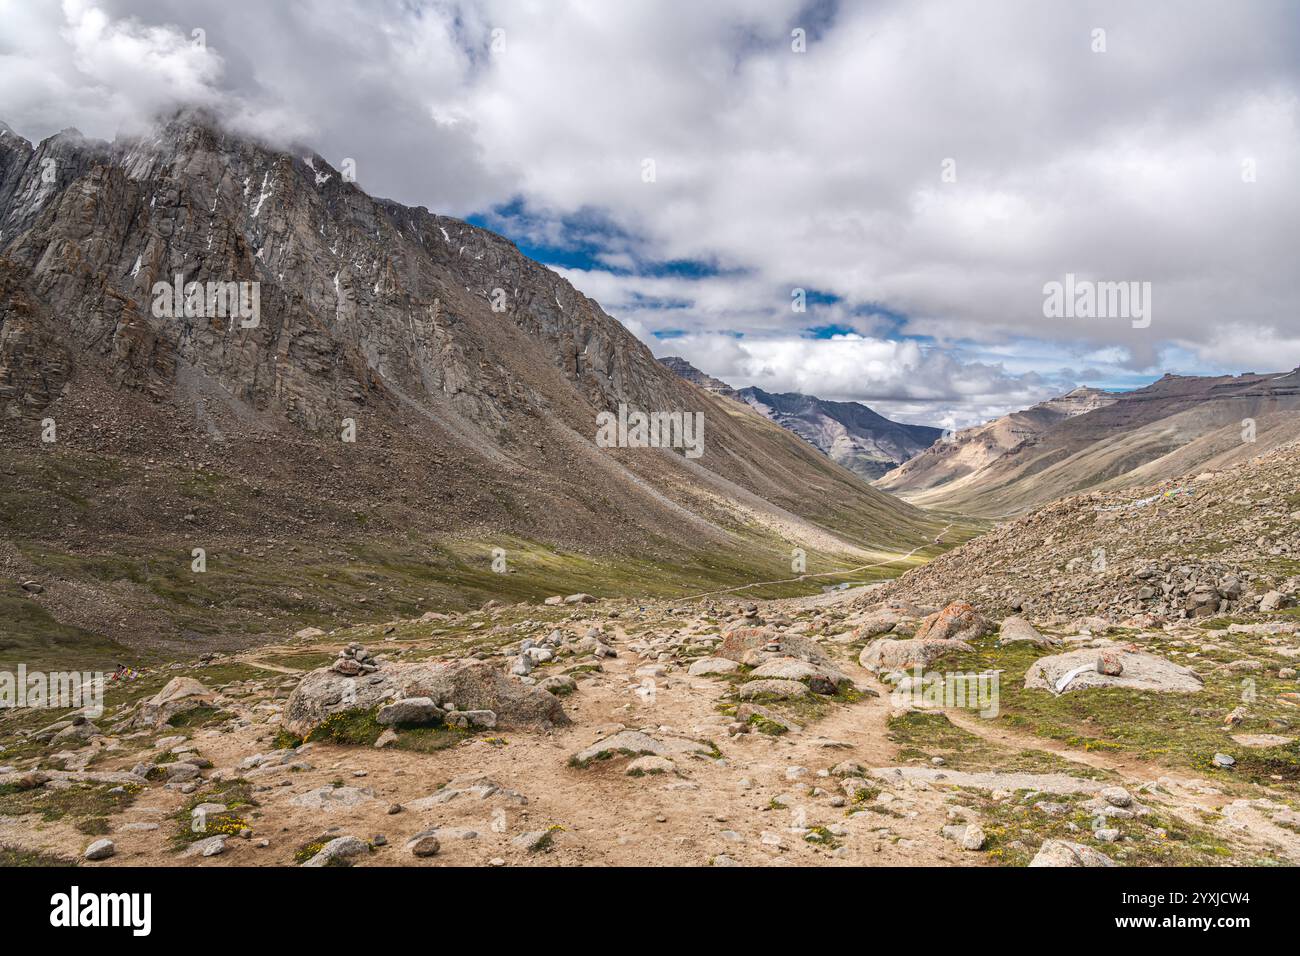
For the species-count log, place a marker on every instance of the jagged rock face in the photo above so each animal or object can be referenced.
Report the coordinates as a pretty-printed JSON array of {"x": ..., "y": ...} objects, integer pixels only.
[
  {"x": 685, "y": 370},
  {"x": 1080, "y": 401},
  {"x": 34, "y": 365},
  {"x": 362, "y": 300}
]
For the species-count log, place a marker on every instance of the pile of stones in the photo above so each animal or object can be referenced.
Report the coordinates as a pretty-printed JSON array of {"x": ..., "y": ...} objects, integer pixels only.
[{"x": 354, "y": 660}]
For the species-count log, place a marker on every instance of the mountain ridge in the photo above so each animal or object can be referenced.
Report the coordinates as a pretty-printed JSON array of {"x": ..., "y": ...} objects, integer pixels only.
[{"x": 849, "y": 433}]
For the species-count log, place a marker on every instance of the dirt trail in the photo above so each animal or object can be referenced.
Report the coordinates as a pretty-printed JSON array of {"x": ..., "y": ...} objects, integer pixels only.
[
  {"x": 756, "y": 801},
  {"x": 1131, "y": 769},
  {"x": 274, "y": 668}
]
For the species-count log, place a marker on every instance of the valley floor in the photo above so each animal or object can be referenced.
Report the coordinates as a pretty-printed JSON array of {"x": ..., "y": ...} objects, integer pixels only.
[{"x": 850, "y": 778}]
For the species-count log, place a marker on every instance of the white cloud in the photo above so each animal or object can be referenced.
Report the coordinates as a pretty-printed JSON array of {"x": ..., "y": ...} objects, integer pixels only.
[
  {"x": 820, "y": 170},
  {"x": 72, "y": 63},
  {"x": 901, "y": 378}
]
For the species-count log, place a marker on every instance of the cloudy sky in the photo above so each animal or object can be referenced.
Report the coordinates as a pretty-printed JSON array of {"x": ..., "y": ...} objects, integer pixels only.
[{"x": 919, "y": 170}]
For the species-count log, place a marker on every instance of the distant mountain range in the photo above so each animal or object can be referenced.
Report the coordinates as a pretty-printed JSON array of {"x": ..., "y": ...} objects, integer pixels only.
[
  {"x": 1092, "y": 440},
  {"x": 970, "y": 450},
  {"x": 1087, "y": 439},
  {"x": 849, "y": 433}
]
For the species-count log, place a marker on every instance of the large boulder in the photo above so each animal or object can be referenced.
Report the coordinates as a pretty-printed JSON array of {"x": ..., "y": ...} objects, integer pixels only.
[
  {"x": 1080, "y": 670},
  {"x": 471, "y": 685},
  {"x": 887, "y": 654},
  {"x": 772, "y": 687},
  {"x": 754, "y": 645},
  {"x": 711, "y": 665},
  {"x": 634, "y": 743},
  {"x": 820, "y": 678},
  {"x": 339, "y": 852},
  {"x": 1274, "y": 601},
  {"x": 181, "y": 695},
  {"x": 324, "y": 692},
  {"x": 878, "y": 622},
  {"x": 897, "y": 617},
  {"x": 478, "y": 685},
  {"x": 959, "y": 621},
  {"x": 80, "y": 730}
]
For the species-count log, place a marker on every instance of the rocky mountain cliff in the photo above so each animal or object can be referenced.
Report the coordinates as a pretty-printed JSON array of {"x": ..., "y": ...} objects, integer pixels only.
[
  {"x": 849, "y": 433},
  {"x": 684, "y": 369},
  {"x": 408, "y": 378}
]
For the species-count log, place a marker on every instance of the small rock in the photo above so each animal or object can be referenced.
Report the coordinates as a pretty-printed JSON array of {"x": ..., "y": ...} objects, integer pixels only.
[
  {"x": 650, "y": 764},
  {"x": 1065, "y": 853},
  {"x": 338, "y": 851},
  {"x": 100, "y": 850},
  {"x": 559, "y": 684},
  {"x": 416, "y": 711},
  {"x": 1117, "y": 796},
  {"x": 1109, "y": 664},
  {"x": 473, "y": 719},
  {"x": 532, "y": 841}
]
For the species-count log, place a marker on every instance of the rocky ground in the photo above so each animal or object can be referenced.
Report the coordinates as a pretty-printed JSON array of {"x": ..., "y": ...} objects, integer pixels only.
[
  {"x": 1202, "y": 546},
  {"x": 713, "y": 733}
]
